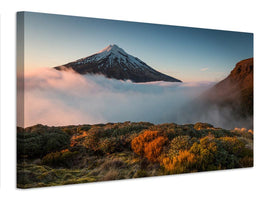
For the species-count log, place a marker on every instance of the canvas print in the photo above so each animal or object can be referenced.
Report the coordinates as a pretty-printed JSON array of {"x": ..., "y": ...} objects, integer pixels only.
[{"x": 101, "y": 100}]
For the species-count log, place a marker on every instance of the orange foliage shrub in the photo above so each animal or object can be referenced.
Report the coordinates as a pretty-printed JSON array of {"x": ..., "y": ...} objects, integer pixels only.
[
  {"x": 154, "y": 148},
  {"x": 181, "y": 163},
  {"x": 149, "y": 144},
  {"x": 137, "y": 143},
  {"x": 75, "y": 138},
  {"x": 65, "y": 150}
]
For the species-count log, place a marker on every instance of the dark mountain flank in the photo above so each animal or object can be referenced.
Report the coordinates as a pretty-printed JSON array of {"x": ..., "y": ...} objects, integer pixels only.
[
  {"x": 236, "y": 91},
  {"x": 229, "y": 103},
  {"x": 114, "y": 62}
]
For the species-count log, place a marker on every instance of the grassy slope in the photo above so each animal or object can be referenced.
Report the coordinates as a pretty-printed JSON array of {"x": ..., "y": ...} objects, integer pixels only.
[{"x": 89, "y": 153}]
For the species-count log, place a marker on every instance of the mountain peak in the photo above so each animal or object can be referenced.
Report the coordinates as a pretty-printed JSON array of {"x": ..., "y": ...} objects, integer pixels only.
[
  {"x": 112, "y": 48},
  {"x": 114, "y": 62}
]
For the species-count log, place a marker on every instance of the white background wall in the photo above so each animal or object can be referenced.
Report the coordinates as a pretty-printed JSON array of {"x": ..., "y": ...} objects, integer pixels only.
[{"x": 239, "y": 15}]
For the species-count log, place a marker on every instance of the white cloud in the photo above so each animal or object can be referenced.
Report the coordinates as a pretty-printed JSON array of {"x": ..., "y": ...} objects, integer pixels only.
[{"x": 62, "y": 98}]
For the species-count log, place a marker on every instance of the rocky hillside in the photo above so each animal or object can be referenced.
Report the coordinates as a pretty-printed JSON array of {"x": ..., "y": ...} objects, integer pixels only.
[
  {"x": 236, "y": 91},
  {"x": 227, "y": 104}
]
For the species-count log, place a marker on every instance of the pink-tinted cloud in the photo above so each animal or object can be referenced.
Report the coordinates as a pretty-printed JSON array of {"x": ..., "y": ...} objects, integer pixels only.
[
  {"x": 63, "y": 97},
  {"x": 204, "y": 69}
]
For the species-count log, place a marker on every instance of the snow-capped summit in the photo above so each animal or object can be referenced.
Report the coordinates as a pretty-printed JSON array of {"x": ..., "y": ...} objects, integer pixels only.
[
  {"x": 113, "y": 48},
  {"x": 114, "y": 62}
]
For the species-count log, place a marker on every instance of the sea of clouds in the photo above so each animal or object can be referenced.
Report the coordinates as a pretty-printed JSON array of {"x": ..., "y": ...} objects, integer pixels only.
[{"x": 53, "y": 97}]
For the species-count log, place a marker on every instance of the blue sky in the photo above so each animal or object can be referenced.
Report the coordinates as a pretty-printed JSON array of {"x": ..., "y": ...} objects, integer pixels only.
[{"x": 189, "y": 54}]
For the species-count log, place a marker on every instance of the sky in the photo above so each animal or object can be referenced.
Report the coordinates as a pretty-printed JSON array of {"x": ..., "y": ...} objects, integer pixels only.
[{"x": 188, "y": 54}]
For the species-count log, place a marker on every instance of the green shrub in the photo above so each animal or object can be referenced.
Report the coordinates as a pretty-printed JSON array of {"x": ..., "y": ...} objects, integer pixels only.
[
  {"x": 36, "y": 145},
  {"x": 63, "y": 158},
  {"x": 180, "y": 143}
]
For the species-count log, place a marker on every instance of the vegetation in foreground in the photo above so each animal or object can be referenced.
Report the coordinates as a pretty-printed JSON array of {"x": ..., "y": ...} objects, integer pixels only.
[{"x": 49, "y": 156}]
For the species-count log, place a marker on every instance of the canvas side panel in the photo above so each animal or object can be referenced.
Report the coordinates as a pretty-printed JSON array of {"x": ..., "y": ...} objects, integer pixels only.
[{"x": 20, "y": 86}]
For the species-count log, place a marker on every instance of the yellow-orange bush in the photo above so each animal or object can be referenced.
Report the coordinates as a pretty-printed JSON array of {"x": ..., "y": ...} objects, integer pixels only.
[
  {"x": 149, "y": 144},
  {"x": 137, "y": 143},
  {"x": 154, "y": 148},
  {"x": 181, "y": 163},
  {"x": 75, "y": 138}
]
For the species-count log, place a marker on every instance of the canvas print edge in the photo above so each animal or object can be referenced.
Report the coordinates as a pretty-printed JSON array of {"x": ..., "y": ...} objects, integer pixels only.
[{"x": 147, "y": 145}]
